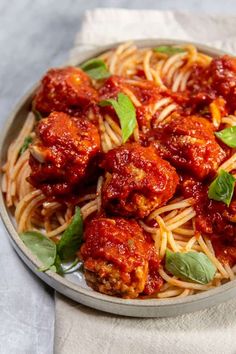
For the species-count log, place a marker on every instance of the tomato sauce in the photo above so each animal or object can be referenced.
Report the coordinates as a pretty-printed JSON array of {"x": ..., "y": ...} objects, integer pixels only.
[
  {"x": 112, "y": 241},
  {"x": 64, "y": 155},
  {"x": 66, "y": 90},
  {"x": 190, "y": 145},
  {"x": 213, "y": 219},
  {"x": 138, "y": 180},
  {"x": 217, "y": 80}
]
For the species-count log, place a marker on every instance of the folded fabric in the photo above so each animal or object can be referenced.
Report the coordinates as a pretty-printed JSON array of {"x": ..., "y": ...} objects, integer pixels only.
[{"x": 104, "y": 26}]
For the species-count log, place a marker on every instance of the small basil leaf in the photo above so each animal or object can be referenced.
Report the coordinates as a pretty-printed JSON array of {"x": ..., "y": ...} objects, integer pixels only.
[
  {"x": 169, "y": 50},
  {"x": 57, "y": 265},
  {"x": 37, "y": 115},
  {"x": 190, "y": 266},
  {"x": 96, "y": 69},
  {"x": 222, "y": 188},
  {"x": 125, "y": 111},
  {"x": 228, "y": 136},
  {"x": 73, "y": 267},
  {"x": 28, "y": 140},
  {"x": 42, "y": 247},
  {"x": 71, "y": 238}
]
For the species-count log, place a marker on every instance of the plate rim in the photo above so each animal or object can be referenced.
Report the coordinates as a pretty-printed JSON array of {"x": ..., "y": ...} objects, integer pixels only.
[{"x": 89, "y": 297}]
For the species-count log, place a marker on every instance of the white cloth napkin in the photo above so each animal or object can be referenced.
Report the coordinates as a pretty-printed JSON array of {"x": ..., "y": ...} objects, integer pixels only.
[{"x": 87, "y": 331}]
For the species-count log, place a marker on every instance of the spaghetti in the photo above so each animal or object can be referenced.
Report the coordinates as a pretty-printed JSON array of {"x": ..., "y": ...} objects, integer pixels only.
[{"x": 169, "y": 80}]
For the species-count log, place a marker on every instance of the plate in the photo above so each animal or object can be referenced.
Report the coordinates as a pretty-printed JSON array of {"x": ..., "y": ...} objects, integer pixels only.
[{"x": 74, "y": 285}]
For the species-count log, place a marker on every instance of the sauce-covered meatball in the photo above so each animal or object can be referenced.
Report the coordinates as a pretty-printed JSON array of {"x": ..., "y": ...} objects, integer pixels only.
[
  {"x": 66, "y": 90},
  {"x": 137, "y": 180},
  {"x": 190, "y": 145},
  {"x": 63, "y": 153},
  {"x": 219, "y": 79},
  {"x": 223, "y": 79},
  {"x": 120, "y": 258}
]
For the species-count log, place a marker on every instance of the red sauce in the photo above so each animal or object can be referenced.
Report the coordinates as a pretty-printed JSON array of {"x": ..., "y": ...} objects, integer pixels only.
[
  {"x": 124, "y": 245},
  {"x": 225, "y": 251},
  {"x": 145, "y": 91},
  {"x": 64, "y": 154},
  {"x": 213, "y": 218},
  {"x": 66, "y": 90},
  {"x": 190, "y": 145},
  {"x": 219, "y": 79},
  {"x": 138, "y": 180},
  {"x": 223, "y": 75}
]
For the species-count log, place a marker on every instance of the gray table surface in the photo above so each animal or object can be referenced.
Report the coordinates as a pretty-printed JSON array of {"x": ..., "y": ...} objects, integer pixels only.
[{"x": 35, "y": 35}]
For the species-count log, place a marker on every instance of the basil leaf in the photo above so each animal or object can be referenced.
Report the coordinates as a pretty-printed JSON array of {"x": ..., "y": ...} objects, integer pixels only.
[
  {"x": 71, "y": 238},
  {"x": 73, "y": 267},
  {"x": 57, "y": 265},
  {"x": 222, "y": 188},
  {"x": 42, "y": 247},
  {"x": 125, "y": 111},
  {"x": 28, "y": 140},
  {"x": 228, "y": 136},
  {"x": 190, "y": 266},
  {"x": 37, "y": 115},
  {"x": 96, "y": 69},
  {"x": 169, "y": 50}
]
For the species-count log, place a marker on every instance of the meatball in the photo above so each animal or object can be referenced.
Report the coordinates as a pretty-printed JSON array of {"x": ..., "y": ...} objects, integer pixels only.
[
  {"x": 66, "y": 90},
  {"x": 120, "y": 258},
  {"x": 63, "y": 153},
  {"x": 137, "y": 180},
  {"x": 222, "y": 74},
  {"x": 189, "y": 144},
  {"x": 218, "y": 79}
]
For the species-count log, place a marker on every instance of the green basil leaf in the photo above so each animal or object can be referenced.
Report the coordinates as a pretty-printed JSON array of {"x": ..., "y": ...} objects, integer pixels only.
[
  {"x": 169, "y": 50},
  {"x": 125, "y": 111},
  {"x": 37, "y": 115},
  {"x": 57, "y": 265},
  {"x": 190, "y": 266},
  {"x": 228, "y": 136},
  {"x": 73, "y": 267},
  {"x": 42, "y": 247},
  {"x": 71, "y": 238},
  {"x": 222, "y": 188},
  {"x": 28, "y": 140},
  {"x": 96, "y": 69}
]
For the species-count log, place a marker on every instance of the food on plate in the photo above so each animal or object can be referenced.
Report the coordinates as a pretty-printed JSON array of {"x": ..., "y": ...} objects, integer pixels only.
[
  {"x": 63, "y": 155},
  {"x": 136, "y": 180},
  {"x": 120, "y": 258},
  {"x": 126, "y": 166},
  {"x": 66, "y": 90},
  {"x": 189, "y": 143}
]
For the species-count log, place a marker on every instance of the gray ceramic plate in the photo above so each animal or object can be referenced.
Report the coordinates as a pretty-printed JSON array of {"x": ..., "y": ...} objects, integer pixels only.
[{"x": 74, "y": 286}]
